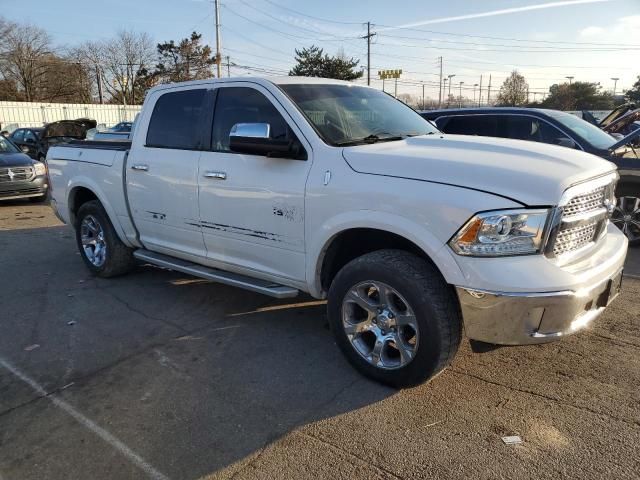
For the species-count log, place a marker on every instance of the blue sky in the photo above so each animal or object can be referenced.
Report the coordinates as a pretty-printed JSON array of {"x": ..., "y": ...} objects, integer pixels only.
[{"x": 262, "y": 34}]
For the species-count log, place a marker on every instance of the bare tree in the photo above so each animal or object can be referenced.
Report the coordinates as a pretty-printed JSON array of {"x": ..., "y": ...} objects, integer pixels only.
[
  {"x": 91, "y": 56},
  {"x": 24, "y": 60},
  {"x": 126, "y": 60}
]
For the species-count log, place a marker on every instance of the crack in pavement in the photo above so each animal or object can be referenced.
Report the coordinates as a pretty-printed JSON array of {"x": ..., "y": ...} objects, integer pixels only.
[
  {"x": 145, "y": 314},
  {"x": 633, "y": 423},
  {"x": 381, "y": 469},
  {"x": 615, "y": 341}
]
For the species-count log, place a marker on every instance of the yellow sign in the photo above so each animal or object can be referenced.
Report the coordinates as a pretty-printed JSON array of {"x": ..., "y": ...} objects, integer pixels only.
[{"x": 386, "y": 74}]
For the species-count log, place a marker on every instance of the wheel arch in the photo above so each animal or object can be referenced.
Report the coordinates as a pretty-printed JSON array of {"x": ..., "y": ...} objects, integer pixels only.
[
  {"x": 81, "y": 191},
  {"x": 348, "y": 239}
]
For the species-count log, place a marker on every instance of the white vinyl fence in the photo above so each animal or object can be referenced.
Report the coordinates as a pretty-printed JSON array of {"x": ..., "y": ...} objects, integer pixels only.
[{"x": 28, "y": 114}]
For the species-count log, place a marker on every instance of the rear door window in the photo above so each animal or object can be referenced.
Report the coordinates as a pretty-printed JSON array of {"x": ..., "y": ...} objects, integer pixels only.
[
  {"x": 177, "y": 120},
  {"x": 482, "y": 125}
]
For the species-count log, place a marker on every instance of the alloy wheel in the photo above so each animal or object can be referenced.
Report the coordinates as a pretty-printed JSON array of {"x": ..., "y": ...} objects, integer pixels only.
[
  {"x": 626, "y": 216},
  {"x": 93, "y": 242},
  {"x": 380, "y": 325}
]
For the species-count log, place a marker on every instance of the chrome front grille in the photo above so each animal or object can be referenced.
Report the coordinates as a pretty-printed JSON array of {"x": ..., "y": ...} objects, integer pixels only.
[
  {"x": 581, "y": 218},
  {"x": 585, "y": 203},
  {"x": 575, "y": 238},
  {"x": 16, "y": 174}
]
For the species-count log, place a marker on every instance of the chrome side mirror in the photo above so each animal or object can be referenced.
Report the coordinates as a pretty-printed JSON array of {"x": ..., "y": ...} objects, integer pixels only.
[{"x": 251, "y": 130}]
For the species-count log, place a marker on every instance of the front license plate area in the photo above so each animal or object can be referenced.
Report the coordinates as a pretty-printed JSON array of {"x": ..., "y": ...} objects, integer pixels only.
[{"x": 614, "y": 286}]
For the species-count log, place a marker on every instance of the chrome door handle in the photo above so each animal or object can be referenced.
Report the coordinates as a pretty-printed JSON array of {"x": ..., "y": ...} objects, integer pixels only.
[
  {"x": 216, "y": 175},
  {"x": 142, "y": 168}
]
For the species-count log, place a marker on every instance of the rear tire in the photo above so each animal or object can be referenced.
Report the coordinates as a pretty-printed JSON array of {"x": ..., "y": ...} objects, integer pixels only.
[
  {"x": 100, "y": 247},
  {"x": 394, "y": 317}
]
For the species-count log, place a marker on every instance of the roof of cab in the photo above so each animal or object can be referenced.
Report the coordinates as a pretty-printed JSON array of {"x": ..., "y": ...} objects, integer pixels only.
[{"x": 284, "y": 80}]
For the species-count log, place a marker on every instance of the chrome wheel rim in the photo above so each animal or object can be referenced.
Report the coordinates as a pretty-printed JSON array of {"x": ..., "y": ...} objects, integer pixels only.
[
  {"x": 93, "y": 243},
  {"x": 626, "y": 216},
  {"x": 380, "y": 325}
]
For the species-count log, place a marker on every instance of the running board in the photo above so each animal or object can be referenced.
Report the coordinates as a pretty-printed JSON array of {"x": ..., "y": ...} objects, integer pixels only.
[{"x": 228, "y": 278}]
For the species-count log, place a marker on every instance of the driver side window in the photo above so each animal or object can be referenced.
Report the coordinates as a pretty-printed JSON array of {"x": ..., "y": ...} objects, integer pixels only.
[{"x": 245, "y": 105}]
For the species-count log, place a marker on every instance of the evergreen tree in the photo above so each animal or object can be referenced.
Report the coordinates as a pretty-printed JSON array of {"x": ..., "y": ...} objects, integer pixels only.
[{"x": 313, "y": 62}]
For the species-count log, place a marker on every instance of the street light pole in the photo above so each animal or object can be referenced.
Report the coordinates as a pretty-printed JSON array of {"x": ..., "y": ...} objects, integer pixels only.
[
  {"x": 474, "y": 93},
  {"x": 460, "y": 96},
  {"x": 422, "y": 95},
  {"x": 449, "y": 94},
  {"x": 615, "y": 84},
  {"x": 570, "y": 77}
]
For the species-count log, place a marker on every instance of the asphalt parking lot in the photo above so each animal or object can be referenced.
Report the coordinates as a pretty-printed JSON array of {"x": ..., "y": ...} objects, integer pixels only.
[{"x": 159, "y": 375}]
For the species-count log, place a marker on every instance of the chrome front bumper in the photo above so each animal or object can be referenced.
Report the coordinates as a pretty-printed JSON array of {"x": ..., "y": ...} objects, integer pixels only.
[{"x": 525, "y": 318}]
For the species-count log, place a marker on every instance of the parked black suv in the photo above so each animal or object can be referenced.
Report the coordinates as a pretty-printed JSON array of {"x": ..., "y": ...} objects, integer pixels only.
[
  {"x": 20, "y": 176},
  {"x": 563, "y": 129}
]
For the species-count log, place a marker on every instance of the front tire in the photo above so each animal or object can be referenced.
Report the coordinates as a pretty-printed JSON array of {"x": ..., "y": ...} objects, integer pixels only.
[
  {"x": 394, "y": 317},
  {"x": 626, "y": 215},
  {"x": 100, "y": 247}
]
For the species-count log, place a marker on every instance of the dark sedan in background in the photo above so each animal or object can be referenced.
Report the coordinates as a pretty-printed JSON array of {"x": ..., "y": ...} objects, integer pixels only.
[
  {"x": 21, "y": 176},
  {"x": 563, "y": 129}
]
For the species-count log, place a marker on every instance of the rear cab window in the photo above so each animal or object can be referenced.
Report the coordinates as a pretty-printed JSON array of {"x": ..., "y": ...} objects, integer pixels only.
[{"x": 177, "y": 120}]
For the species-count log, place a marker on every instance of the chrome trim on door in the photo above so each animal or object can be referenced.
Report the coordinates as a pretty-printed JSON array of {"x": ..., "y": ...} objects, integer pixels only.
[{"x": 216, "y": 175}]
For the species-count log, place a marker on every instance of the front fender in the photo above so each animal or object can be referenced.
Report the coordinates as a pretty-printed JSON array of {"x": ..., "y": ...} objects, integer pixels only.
[{"x": 435, "y": 249}]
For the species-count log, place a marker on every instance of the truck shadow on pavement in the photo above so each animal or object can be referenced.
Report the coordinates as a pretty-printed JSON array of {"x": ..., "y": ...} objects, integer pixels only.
[{"x": 192, "y": 376}]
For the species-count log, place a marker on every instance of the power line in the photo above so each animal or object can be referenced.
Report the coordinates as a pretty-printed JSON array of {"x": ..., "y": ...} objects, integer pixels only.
[
  {"x": 311, "y": 16},
  {"x": 551, "y": 42},
  {"x": 515, "y": 48}
]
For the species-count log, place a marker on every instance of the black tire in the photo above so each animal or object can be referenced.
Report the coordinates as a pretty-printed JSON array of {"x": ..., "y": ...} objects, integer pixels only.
[
  {"x": 633, "y": 234},
  {"x": 431, "y": 299},
  {"x": 118, "y": 258}
]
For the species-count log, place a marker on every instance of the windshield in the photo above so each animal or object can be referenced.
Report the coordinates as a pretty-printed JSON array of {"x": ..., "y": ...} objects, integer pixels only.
[
  {"x": 6, "y": 146},
  {"x": 351, "y": 115},
  {"x": 587, "y": 131}
]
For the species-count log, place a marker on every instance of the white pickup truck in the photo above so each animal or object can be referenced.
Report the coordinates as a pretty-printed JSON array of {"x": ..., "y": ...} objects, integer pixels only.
[{"x": 338, "y": 190}]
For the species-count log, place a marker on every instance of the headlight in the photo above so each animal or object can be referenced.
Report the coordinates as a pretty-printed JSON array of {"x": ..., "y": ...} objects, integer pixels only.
[
  {"x": 499, "y": 233},
  {"x": 41, "y": 168}
]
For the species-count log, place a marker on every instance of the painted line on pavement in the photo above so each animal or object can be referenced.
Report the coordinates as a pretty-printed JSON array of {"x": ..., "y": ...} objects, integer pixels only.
[{"x": 87, "y": 423}]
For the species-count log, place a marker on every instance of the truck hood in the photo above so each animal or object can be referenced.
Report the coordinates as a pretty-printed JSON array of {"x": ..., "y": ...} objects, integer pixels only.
[
  {"x": 15, "y": 160},
  {"x": 531, "y": 173}
]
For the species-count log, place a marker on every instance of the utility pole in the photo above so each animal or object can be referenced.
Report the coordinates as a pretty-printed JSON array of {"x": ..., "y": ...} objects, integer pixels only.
[
  {"x": 218, "y": 41},
  {"x": 99, "y": 80},
  {"x": 489, "y": 91},
  {"x": 570, "y": 77},
  {"x": 440, "y": 92},
  {"x": 480, "y": 96},
  {"x": 368, "y": 37},
  {"x": 615, "y": 84},
  {"x": 460, "y": 96},
  {"x": 422, "y": 95},
  {"x": 474, "y": 93},
  {"x": 228, "y": 66}
]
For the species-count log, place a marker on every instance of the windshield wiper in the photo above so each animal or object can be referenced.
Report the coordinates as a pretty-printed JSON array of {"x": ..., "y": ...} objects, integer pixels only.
[{"x": 373, "y": 138}]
